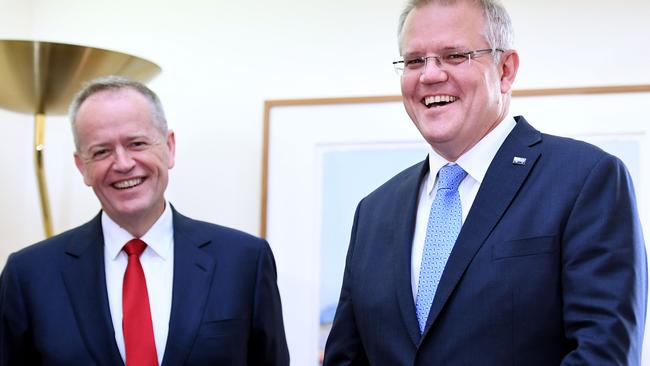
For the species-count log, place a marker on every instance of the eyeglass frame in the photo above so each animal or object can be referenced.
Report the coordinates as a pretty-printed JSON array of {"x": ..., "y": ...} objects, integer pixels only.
[{"x": 400, "y": 65}]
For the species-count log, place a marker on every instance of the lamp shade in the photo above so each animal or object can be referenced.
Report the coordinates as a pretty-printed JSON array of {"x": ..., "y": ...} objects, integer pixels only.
[{"x": 43, "y": 77}]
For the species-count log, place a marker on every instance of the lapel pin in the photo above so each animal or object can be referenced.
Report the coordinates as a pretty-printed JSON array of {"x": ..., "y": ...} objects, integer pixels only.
[{"x": 519, "y": 161}]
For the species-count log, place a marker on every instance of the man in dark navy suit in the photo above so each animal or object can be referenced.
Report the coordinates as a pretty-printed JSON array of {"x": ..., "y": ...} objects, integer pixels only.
[
  {"x": 209, "y": 292},
  {"x": 505, "y": 246}
]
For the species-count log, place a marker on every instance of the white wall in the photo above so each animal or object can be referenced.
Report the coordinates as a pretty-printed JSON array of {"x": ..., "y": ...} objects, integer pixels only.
[{"x": 221, "y": 60}]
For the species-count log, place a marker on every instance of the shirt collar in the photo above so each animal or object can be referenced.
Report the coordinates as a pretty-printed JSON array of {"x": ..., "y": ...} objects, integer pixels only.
[
  {"x": 476, "y": 160},
  {"x": 157, "y": 238}
]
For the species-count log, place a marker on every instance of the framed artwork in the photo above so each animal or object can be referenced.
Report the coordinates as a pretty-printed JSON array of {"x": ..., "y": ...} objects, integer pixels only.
[{"x": 321, "y": 156}]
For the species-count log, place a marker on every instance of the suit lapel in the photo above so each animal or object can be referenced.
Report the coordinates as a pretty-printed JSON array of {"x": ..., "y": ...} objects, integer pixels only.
[
  {"x": 193, "y": 271},
  {"x": 85, "y": 281},
  {"x": 500, "y": 185},
  {"x": 405, "y": 213}
]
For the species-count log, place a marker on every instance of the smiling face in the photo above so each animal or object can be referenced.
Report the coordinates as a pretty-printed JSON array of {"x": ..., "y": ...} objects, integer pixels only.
[
  {"x": 124, "y": 157},
  {"x": 454, "y": 107}
]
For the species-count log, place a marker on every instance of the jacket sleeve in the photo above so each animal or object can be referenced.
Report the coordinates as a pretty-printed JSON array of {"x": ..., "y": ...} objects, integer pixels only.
[
  {"x": 267, "y": 345},
  {"x": 604, "y": 277},
  {"x": 16, "y": 345},
  {"x": 344, "y": 346}
]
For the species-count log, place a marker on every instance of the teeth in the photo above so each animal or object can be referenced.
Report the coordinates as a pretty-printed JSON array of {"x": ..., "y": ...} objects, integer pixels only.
[
  {"x": 127, "y": 183},
  {"x": 439, "y": 99}
]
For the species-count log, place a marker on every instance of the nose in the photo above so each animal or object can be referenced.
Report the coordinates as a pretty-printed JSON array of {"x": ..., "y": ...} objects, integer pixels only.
[
  {"x": 122, "y": 160},
  {"x": 432, "y": 72}
]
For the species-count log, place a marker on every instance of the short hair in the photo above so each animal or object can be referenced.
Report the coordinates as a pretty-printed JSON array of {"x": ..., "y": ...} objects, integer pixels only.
[
  {"x": 116, "y": 83},
  {"x": 498, "y": 30}
]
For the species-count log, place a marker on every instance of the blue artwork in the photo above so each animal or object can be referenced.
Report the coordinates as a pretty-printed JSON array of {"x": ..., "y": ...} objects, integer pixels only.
[{"x": 348, "y": 176}]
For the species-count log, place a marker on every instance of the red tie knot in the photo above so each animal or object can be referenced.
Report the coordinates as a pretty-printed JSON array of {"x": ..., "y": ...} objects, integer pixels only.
[{"x": 135, "y": 247}]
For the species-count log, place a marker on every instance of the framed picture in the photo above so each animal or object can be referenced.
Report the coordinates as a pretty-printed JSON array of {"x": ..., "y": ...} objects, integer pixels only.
[{"x": 321, "y": 156}]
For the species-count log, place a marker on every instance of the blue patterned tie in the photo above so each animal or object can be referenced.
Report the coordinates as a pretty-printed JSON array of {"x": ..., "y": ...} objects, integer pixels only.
[{"x": 443, "y": 227}]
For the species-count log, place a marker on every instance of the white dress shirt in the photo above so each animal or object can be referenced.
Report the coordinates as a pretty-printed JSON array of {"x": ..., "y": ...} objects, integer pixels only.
[
  {"x": 158, "y": 265},
  {"x": 475, "y": 162}
]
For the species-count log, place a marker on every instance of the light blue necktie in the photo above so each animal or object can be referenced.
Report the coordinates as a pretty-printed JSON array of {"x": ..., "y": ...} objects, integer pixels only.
[{"x": 444, "y": 224}]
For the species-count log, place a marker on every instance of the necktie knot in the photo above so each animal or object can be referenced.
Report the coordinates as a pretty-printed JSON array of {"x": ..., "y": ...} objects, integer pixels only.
[
  {"x": 135, "y": 247},
  {"x": 450, "y": 177}
]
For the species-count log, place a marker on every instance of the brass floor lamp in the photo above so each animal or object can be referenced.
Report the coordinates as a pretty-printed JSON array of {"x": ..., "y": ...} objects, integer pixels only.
[{"x": 41, "y": 78}]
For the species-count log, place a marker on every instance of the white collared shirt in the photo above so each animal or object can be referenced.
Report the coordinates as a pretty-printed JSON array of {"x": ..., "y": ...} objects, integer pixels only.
[
  {"x": 475, "y": 162},
  {"x": 158, "y": 266}
]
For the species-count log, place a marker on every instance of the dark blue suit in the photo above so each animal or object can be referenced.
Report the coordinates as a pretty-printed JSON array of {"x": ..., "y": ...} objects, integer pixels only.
[
  {"x": 225, "y": 302},
  {"x": 549, "y": 267}
]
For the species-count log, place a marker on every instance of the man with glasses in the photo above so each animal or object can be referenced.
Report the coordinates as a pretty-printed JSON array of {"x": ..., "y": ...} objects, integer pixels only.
[{"x": 505, "y": 246}]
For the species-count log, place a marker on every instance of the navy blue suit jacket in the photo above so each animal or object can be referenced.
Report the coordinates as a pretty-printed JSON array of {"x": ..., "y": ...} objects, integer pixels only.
[
  {"x": 549, "y": 267},
  {"x": 225, "y": 302}
]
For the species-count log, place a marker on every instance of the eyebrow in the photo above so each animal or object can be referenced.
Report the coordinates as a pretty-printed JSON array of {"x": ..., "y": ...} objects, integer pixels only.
[
  {"x": 127, "y": 139},
  {"x": 454, "y": 48},
  {"x": 140, "y": 137},
  {"x": 95, "y": 146}
]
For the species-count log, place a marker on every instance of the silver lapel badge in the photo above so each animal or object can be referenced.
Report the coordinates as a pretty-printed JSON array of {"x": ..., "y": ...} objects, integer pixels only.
[{"x": 519, "y": 160}]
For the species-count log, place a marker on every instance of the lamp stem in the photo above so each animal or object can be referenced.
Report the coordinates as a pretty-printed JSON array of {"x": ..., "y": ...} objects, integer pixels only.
[{"x": 39, "y": 146}]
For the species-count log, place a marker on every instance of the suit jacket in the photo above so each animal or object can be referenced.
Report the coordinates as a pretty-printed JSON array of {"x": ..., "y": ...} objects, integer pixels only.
[
  {"x": 549, "y": 267},
  {"x": 225, "y": 302}
]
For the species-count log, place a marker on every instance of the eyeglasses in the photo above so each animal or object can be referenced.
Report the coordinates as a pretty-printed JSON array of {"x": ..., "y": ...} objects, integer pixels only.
[{"x": 417, "y": 65}]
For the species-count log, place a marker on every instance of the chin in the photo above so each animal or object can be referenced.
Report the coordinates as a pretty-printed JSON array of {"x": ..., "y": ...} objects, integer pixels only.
[
  {"x": 130, "y": 209},
  {"x": 437, "y": 135}
]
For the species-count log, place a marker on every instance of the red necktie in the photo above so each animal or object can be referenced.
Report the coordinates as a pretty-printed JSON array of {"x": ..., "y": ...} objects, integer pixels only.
[{"x": 136, "y": 316}]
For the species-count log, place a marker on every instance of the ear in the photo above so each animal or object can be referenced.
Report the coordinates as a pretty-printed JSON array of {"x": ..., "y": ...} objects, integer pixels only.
[
  {"x": 171, "y": 148},
  {"x": 509, "y": 65},
  {"x": 82, "y": 168}
]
